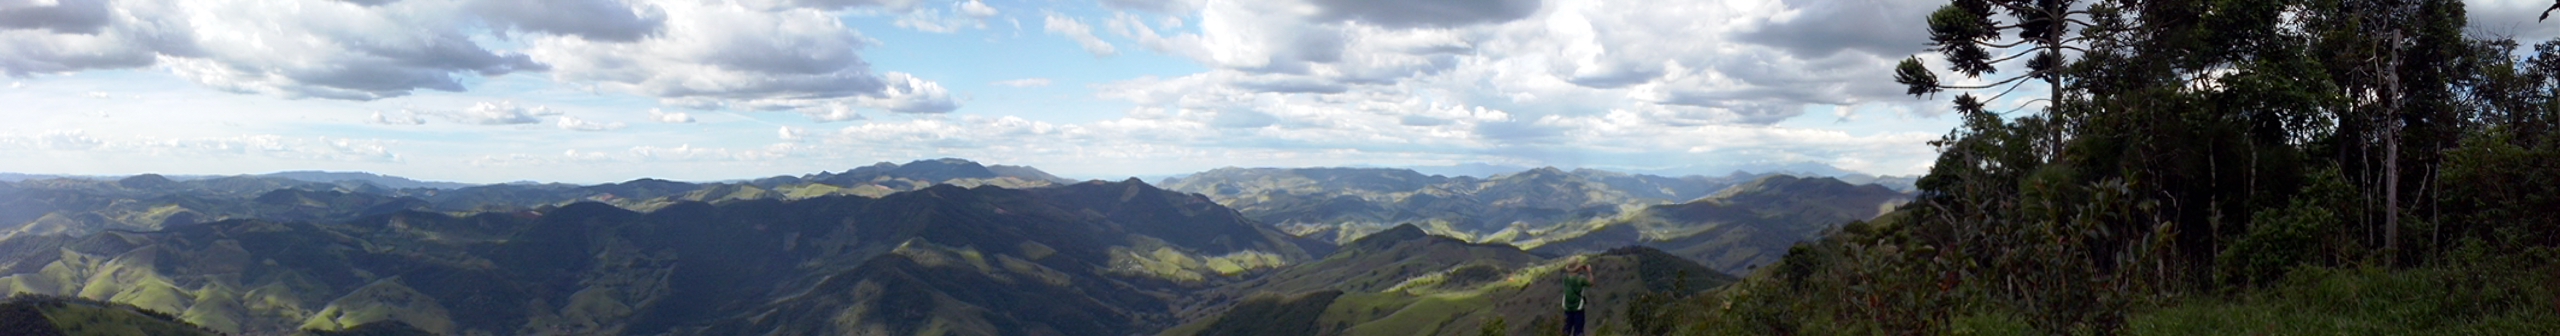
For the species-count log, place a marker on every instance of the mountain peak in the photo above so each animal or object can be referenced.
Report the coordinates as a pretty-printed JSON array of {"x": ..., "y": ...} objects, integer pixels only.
[
  {"x": 1392, "y": 236},
  {"x": 144, "y": 181}
]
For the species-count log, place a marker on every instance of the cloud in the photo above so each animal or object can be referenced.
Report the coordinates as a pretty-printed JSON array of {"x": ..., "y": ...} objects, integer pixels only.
[
  {"x": 1081, "y": 33},
  {"x": 602, "y": 20},
  {"x": 977, "y": 9},
  {"x": 643, "y": 154},
  {"x": 1157, "y": 6},
  {"x": 722, "y": 51},
  {"x": 223, "y": 147},
  {"x": 1410, "y": 14},
  {"x": 367, "y": 50},
  {"x": 1693, "y": 62},
  {"x": 671, "y": 118},
  {"x": 405, "y": 118},
  {"x": 831, "y": 113},
  {"x": 971, "y": 14},
  {"x": 582, "y": 125},
  {"x": 793, "y": 133},
  {"x": 909, "y": 94},
  {"x": 341, "y": 52},
  {"x": 1817, "y": 28},
  {"x": 283, "y": 48},
  {"x": 829, "y": 5},
  {"x": 56, "y": 140},
  {"x": 1023, "y": 83},
  {"x": 501, "y": 113},
  {"x": 100, "y": 95},
  {"x": 61, "y": 17}
]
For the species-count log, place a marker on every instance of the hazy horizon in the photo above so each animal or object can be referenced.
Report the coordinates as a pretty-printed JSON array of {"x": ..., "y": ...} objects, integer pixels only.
[{"x": 1448, "y": 170}]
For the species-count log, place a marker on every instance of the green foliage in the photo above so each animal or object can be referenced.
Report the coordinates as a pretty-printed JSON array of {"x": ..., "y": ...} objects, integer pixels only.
[
  {"x": 2280, "y": 239},
  {"x": 2371, "y": 301},
  {"x": 1274, "y": 315},
  {"x": 2203, "y": 155}
]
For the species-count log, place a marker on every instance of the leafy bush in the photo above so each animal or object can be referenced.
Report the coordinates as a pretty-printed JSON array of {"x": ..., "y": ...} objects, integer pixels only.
[{"x": 2280, "y": 238}]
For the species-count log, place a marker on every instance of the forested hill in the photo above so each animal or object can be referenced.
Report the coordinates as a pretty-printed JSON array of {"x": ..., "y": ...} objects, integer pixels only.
[
  {"x": 1093, "y": 258},
  {"x": 2184, "y": 167}
]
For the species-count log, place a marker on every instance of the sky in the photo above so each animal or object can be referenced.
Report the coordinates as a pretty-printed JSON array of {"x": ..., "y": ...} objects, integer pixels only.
[{"x": 609, "y": 90}]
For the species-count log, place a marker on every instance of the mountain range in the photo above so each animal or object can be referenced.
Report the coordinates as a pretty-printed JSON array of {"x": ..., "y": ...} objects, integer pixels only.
[{"x": 929, "y": 247}]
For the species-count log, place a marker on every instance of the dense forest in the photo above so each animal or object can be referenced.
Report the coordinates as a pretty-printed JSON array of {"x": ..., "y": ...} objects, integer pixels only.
[{"x": 2200, "y": 167}]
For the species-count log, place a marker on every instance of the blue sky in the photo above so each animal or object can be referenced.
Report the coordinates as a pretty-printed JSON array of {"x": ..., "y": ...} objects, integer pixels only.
[{"x": 609, "y": 90}]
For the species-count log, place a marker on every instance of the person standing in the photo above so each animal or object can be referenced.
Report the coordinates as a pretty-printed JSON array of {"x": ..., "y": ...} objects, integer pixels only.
[{"x": 1576, "y": 279}]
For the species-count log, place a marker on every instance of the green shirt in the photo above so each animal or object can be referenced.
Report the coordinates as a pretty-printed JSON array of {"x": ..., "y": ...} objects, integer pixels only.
[{"x": 1573, "y": 285}]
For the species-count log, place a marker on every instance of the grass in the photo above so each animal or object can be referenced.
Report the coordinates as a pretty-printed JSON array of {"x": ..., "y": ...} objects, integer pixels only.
[
  {"x": 2343, "y": 301},
  {"x": 1426, "y": 315},
  {"x": 2367, "y": 301}
]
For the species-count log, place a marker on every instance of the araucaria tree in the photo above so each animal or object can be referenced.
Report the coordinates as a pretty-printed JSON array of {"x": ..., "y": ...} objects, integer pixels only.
[{"x": 2184, "y": 146}]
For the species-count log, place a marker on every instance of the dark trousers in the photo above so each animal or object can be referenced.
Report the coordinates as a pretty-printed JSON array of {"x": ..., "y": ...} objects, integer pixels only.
[{"x": 1573, "y": 322}]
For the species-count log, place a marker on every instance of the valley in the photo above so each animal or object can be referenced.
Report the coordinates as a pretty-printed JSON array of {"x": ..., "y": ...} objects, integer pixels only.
[{"x": 928, "y": 247}]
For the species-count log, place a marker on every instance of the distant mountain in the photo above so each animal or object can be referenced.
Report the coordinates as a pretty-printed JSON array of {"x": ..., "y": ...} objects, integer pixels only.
[
  {"x": 937, "y": 171},
  {"x": 1379, "y": 261},
  {"x": 1738, "y": 228},
  {"x": 1095, "y": 258},
  {"x": 935, "y": 246},
  {"x": 393, "y": 182},
  {"x": 1756, "y": 168},
  {"x": 152, "y": 202},
  {"x": 1897, "y": 183},
  {"x": 1479, "y": 170},
  {"x": 1403, "y": 281},
  {"x": 1344, "y": 203},
  {"x": 15, "y": 177},
  {"x": 78, "y": 206}
]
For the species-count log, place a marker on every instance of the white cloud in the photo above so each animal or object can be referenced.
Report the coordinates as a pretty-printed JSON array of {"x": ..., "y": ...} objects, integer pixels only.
[
  {"x": 1567, "y": 83},
  {"x": 57, "y": 140},
  {"x": 1081, "y": 33},
  {"x": 829, "y": 5},
  {"x": 1157, "y": 6},
  {"x": 501, "y": 113},
  {"x": 367, "y": 50},
  {"x": 100, "y": 95},
  {"x": 404, "y": 117},
  {"x": 1023, "y": 83},
  {"x": 603, "y": 20},
  {"x": 583, "y": 125},
  {"x": 59, "y": 16},
  {"x": 831, "y": 113},
  {"x": 644, "y": 154},
  {"x": 310, "y": 49},
  {"x": 793, "y": 133},
  {"x": 722, "y": 54},
  {"x": 977, "y": 9},
  {"x": 671, "y": 118},
  {"x": 909, "y": 94},
  {"x": 221, "y": 147},
  {"x": 721, "y": 51},
  {"x": 970, "y": 14}
]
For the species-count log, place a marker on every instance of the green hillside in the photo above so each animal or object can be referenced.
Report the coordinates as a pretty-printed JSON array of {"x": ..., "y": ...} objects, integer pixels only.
[
  {"x": 42, "y": 315},
  {"x": 1343, "y": 204},
  {"x": 1100, "y": 257},
  {"x": 1736, "y": 229},
  {"x": 1465, "y": 296}
]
